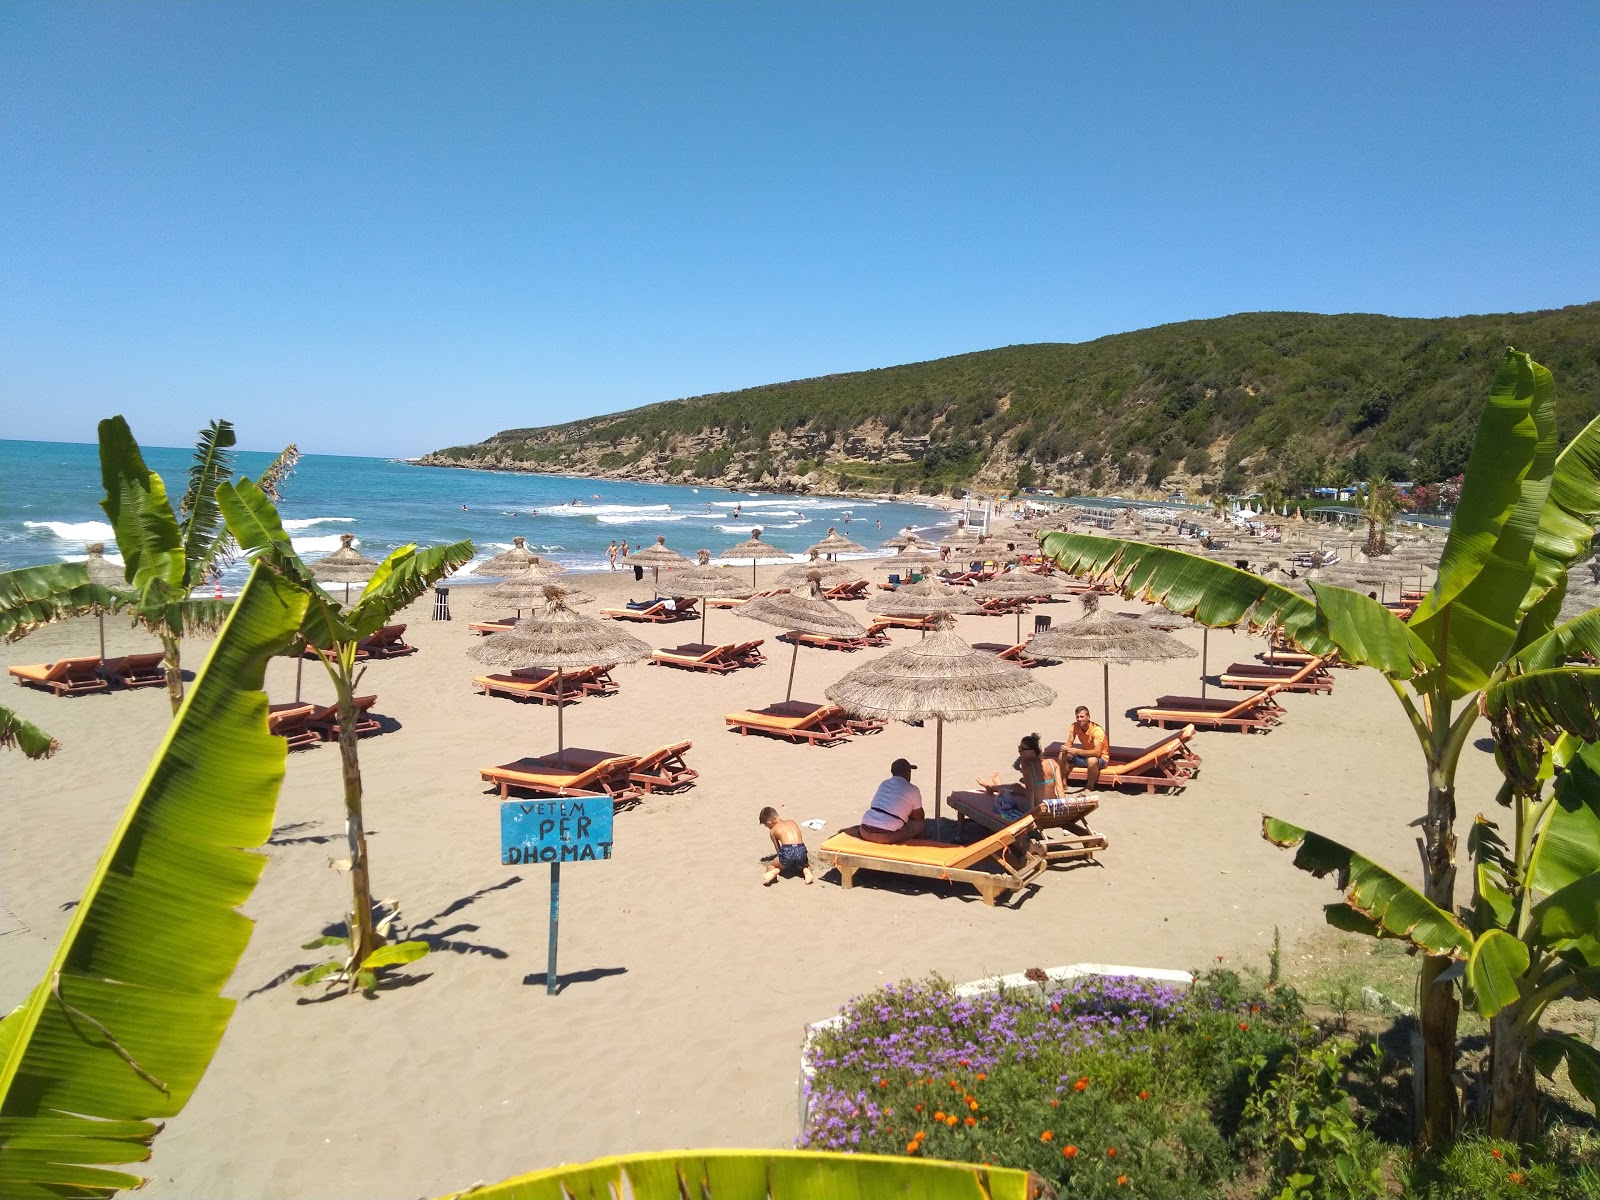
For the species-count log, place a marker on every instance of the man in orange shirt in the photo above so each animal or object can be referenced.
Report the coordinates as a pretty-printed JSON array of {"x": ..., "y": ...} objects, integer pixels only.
[{"x": 1087, "y": 747}]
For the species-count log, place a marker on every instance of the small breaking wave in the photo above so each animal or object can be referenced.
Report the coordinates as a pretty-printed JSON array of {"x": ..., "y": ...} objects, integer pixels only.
[
  {"x": 311, "y": 545},
  {"x": 601, "y": 510},
  {"x": 76, "y": 531},
  {"x": 308, "y": 522}
]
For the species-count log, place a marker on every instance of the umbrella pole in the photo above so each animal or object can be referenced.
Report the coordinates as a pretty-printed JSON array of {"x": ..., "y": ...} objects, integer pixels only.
[
  {"x": 1019, "y": 625},
  {"x": 703, "y": 607},
  {"x": 793, "y": 658},
  {"x": 1205, "y": 647},
  {"x": 938, "y": 772},
  {"x": 1105, "y": 691},
  {"x": 299, "y": 669},
  {"x": 561, "y": 721},
  {"x": 102, "y": 617},
  {"x": 347, "y": 593}
]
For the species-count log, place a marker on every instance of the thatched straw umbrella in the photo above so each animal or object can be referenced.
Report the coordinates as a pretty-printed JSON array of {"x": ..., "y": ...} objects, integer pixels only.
[
  {"x": 345, "y": 565},
  {"x": 962, "y": 541},
  {"x": 836, "y": 543},
  {"x": 943, "y": 678},
  {"x": 911, "y": 560},
  {"x": 830, "y": 573},
  {"x": 1106, "y": 638},
  {"x": 1023, "y": 585},
  {"x": 106, "y": 575},
  {"x": 509, "y": 562},
  {"x": 930, "y": 598},
  {"x": 525, "y": 589},
  {"x": 805, "y": 612},
  {"x": 755, "y": 550},
  {"x": 655, "y": 557},
  {"x": 703, "y": 581},
  {"x": 902, "y": 541},
  {"x": 557, "y": 637}
]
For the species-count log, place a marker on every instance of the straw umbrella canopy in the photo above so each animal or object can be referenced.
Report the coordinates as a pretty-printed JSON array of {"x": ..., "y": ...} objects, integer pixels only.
[
  {"x": 830, "y": 572},
  {"x": 755, "y": 550},
  {"x": 963, "y": 540},
  {"x": 930, "y": 598},
  {"x": 345, "y": 565},
  {"x": 944, "y": 678},
  {"x": 509, "y": 562},
  {"x": 804, "y": 612},
  {"x": 655, "y": 557},
  {"x": 525, "y": 589},
  {"x": 557, "y": 637},
  {"x": 902, "y": 541},
  {"x": 106, "y": 575},
  {"x": 911, "y": 559},
  {"x": 1022, "y": 584},
  {"x": 703, "y": 581},
  {"x": 836, "y": 543},
  {"x": 1106, "y": 638}
]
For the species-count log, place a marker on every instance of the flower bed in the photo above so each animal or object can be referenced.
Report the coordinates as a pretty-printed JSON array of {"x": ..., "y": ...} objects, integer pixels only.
[{"x": 1105, "y": 1086}]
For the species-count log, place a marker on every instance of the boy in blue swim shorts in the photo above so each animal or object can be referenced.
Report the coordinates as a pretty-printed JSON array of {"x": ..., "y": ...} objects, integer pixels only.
[{"x": 790, "y": 844}]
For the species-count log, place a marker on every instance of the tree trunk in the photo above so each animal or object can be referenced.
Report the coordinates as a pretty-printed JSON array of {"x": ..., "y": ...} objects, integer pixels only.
[
  {"x": 174, "y": 667},
  {"x": 363, "y": 941},
  {"x": 1513, "y": 1097},
  {"x": 1437, "y": 1006}
]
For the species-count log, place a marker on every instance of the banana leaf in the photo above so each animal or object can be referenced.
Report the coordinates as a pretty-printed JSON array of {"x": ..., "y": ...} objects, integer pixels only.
[
  {"x": 1571, "y": 639},
  {"x": 32, "y": 597},
  {"x": 1496, "y": 963},
  {"x": 15, "y": 733},
  {"x": 760, "y": 1174},
  {"x": 1568, "y": 914},
  {"x": 1567, "y": 524},
  {"x": 1548, "y": 702},
  {"x": 136, "y": 504},
  {"x": 1583, "y": 1062},
  {"x": 403, "y": 576},
  {"x": 1390, "y": 906},
  {"x": 1368, "y": 634},
  {"x": 203, "y": 532},
  {"x": 1471, "y": 617},
  {"x": 1567, "y": 849},
  {"x": 129, "y": 1014}
]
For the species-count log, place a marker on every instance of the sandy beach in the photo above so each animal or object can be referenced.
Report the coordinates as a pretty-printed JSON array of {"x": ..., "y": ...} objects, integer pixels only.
[{"x": 686, "y": 984}]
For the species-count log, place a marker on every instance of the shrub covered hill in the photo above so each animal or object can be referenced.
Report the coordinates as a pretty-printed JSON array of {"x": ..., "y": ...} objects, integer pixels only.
[{"x": 1257, "y": 399}]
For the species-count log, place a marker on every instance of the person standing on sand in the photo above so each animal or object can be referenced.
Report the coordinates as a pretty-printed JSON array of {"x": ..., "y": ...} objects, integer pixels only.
[
  {"x": 1087, "y": 747},
  {"x": 790, "y": 844},
  {"x": 611, "y": 554}
]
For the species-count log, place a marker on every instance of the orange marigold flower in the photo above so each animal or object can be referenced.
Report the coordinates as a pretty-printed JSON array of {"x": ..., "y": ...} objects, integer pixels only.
[
  {"x": 883, "y": 1083},
  {"x": 1144, "y": 1095},
  {"x": 1054, "y": 1103},
  {"x": 1515, "y": 1177},
  {"x": 972, "y": 1121},
  {"x": 1122, "y": 1181},
  {"x": 965, "y": 1062},
  {"x": 982, "y": 1076},
  {"x": 1081, "y": 1084},
  {"x": 973, "y": 1105},
  {"x": 1496, "y": 1153},
  {"x": 950, "y": 1120},
  {"x": 912, "y": 1146},
  {"x": 1244, "y": 1026},
  {"x": 939, "y": 1115},
  {"x": 1047, "y": 1135},
  {"x": 920, "y": 1106},
  {"x": 1069, "y": 1152},
  {"x": 1111, "y": 1151}
]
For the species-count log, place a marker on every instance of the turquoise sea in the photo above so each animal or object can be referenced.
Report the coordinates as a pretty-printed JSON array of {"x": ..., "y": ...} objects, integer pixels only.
[{"x": 50, "y": 508}]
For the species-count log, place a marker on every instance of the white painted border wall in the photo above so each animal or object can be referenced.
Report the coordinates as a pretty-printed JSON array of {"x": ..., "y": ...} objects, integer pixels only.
[{"x": 986, "y": 987}]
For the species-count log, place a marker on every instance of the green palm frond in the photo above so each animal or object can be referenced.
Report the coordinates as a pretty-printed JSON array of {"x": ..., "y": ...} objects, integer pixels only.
[
  {"x": 203, "y": 533},
  {"x": 33, "y": 597},
  {"x": 15, "y": 733},
  {"x": 277, "y": 474}
]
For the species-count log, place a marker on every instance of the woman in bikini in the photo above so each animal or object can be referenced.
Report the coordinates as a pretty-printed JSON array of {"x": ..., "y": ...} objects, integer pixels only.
[{"x": 1040, "y": 781}]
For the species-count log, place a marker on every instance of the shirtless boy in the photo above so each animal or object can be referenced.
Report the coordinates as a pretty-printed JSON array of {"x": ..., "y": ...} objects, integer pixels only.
[{"x": 790, "y": 844}]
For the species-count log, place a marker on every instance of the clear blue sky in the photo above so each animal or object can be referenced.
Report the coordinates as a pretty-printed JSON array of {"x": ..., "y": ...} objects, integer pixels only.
[{"x": 383, "y": 228}]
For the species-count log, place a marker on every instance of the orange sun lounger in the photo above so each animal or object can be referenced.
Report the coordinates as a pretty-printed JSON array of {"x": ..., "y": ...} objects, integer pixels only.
[
  {"x": 1064, "y": 835},
  {"x": 577, "y": 772},
  {"x": 1259, "y": 711},
  {"x": 1167, "y": 763},
  {"x": 1310, "y": 677},
  {"x": 1002, "y": 862},
  {"x": 799, "y": 721},
  {"x": 64, "y": 677},
  {"x": 325, "y": 720},
  {"x": 697, "y": 656},
  {"x": 503, "y": 625},
  {"x": 388, "y": 642},
  {"x": 292, "y": 722},
  {"x": 136, "y": 670},
  {"x": 538, "y": 688},
  {"x": 664, "y": 770},
  {"x": 1012, "y": 653},
  {"x": 856, "y": 589},
  {"x": 655, "y": 614}
]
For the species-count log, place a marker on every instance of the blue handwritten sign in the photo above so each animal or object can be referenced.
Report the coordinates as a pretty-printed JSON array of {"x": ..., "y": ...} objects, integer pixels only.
[{"x": 555, "y": 831}]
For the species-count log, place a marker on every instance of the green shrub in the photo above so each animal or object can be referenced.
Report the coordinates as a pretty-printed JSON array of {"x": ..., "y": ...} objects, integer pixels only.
[{"x": 1477, "y": 1168}]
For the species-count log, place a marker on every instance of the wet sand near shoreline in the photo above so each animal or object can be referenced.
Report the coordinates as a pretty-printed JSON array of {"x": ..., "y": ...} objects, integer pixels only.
[{"x": 685, "y": 984}]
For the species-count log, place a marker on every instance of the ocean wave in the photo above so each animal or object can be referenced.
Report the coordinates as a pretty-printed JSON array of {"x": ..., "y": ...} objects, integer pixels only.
[
  {"x": 308, "y": 522},
  {"x": 311, "y": 545},
  {"x": 598, "y": 510},
  {"x": 630, "y": 519},
  {"x": 745, "y": 529},
  {"x": 76, "y": 531},
  {"x": 775, "y": 502}
]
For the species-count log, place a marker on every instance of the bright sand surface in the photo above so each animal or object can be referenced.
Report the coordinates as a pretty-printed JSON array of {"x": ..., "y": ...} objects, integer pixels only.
[{"x": 686, "y": 984}]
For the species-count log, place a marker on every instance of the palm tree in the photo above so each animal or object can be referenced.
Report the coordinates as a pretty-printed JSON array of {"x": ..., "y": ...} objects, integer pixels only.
[
  {"x": 1379, "y": 504},
  {"x": 168, "y": 554}
]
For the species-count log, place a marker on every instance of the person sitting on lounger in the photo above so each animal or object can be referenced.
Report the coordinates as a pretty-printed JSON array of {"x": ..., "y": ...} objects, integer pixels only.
[
  {"x": 1087, "y": 746},
  {"x": 1041, "y": 777},
  {"x": 896, "y": 813},
  {"x": 790, "y": 844}
]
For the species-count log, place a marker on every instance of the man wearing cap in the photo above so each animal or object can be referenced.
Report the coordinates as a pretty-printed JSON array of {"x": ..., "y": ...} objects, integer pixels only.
[{"x": 896, "y": 814}]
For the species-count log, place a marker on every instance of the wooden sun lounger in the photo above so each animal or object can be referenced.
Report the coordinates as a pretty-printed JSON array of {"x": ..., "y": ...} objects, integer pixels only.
[
  {"x": 324, "y": 722},
  {"x": 1166, "y": 763},
  {"x": 64, "y": 677},
  {"x": 854, "y": 590},
  {"x": 318, "y": 652},
  {"x": 136, "y": 670},
  {"x": 824, "y": 642},
  {"x": 697, "y": 656},
  {"x": 578, "y": 772},
  {"x": 503, "y": 625},
  {"x": 1064, "y": 836},
  {"x": 1000, "y": 605},
  {"x": 1002, "y": 862},
  {"x": 797, "y": 721},
  {"x": 1299, "y": 658},
  {"x": 539, "y": 688},
  {"x": 656, "y": 614},
  {"x": 1259, "y": 711},
  {"x": 905, "y": 622},
  {"x": 1012, "y": 653},
  {"x": 1309, "y": 677},
  {"x": 664, "y": 770},
  {"x": 292, "y": 723},
  {"x": 388, "y": 642},
  {"x": 749, "y": 653}
]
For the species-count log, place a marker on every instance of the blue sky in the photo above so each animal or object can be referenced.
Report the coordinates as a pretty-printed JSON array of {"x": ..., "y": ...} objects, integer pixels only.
[{"x": 383, "y": 228}]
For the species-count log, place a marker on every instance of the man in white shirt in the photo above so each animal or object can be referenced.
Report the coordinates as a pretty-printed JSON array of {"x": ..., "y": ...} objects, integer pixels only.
[{"x": 896, "y": 813}]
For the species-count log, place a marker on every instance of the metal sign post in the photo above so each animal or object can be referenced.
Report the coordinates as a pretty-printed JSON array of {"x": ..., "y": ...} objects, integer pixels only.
[{"x": 555, "y": 832}]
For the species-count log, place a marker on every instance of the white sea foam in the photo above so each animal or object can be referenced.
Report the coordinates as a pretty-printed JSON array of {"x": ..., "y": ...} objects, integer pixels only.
[
  {"x": 313, "y": 545},
  {"x": 308, "y": 522},
  {"x": 600, "y": 510},
  {"x": 631, "y": 519},
  {"x": 75, "y": 531},
  {"x": 775, "y": 502}
]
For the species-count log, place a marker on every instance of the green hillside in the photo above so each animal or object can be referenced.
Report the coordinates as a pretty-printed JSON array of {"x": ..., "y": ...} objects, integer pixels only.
[{"x": 1207, "y": 405}]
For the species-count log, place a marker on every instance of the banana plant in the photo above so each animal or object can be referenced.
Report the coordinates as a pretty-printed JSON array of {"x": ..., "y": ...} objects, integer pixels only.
[
  {"x": 31, "y": 598},
  {"x": 794, "y": 1174},
  {"x": 335, "y": 632},
  {"x": 129, "y": 1013},
  {"x": 169, "y": 553},
  {"x": 1525, "y": 515}
]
